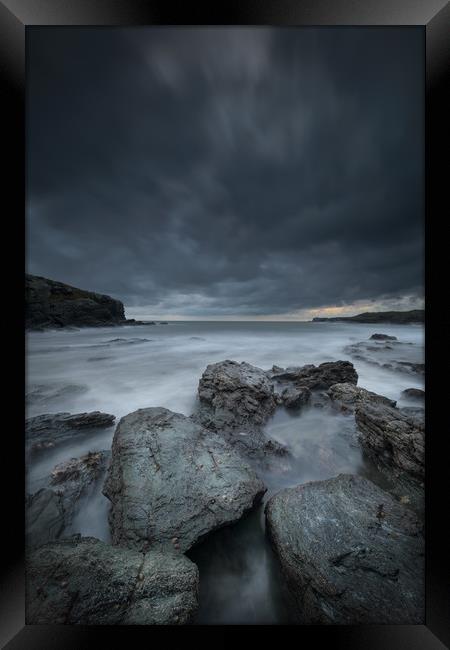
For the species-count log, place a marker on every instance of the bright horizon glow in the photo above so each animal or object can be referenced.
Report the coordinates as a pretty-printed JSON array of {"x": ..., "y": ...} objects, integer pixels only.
[{"x": 405, "y": 303}]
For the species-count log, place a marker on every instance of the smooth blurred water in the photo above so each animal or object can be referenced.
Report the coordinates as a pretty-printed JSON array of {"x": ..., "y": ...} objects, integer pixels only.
[{"x": 160, "y": 365}]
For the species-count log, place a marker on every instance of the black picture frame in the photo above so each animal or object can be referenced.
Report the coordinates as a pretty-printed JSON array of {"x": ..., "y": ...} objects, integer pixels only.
[{"x": 433, "y": 16}]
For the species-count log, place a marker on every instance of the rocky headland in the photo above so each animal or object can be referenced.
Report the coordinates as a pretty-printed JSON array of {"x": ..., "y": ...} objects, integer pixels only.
[
  {"x": 50, "y": 304},
  {"x": 395, "y": 317}
]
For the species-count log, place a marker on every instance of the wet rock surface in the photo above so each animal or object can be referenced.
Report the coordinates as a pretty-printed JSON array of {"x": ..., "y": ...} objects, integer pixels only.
[
  {"x": 349, "y": 552},
  {"x": 171, "y": 482},
  {"x": 235, "y": 395},
  {"x": 50, "y": 511},
  {"x": 295, "y": 398},
  {"x": 236, "y": 400},
  {"x": 317, "y": 377},
  {"x": 83, "y": 581},
  {"x": 44, "y": 516},
  {"x": 347, "y": 396},
  {"x": 51, "y": 429},
  {"x": 392, "y": 438}
]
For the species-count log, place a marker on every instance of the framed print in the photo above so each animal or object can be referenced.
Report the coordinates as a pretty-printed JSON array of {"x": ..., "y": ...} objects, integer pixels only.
[{"x": 229, "y": 239}]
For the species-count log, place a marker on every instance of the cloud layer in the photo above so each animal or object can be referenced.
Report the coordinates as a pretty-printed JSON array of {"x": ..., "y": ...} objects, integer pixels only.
[{"x": 228, "y": 171}]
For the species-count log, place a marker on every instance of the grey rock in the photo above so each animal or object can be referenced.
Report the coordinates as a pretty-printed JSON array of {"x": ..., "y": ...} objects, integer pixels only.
[
  {"x": 346, "y": 396},
  {"x": 295, "y": 398},
  {"x": 383, "y": 337},
  {"x": 350, "y": 553},
  {"x": 50, "y": 511},
  {"x": 51, "y": 429},
  {"x": 83, "y": 581},
  {"x": 319, "y": 377},
  {"x": 236, "y": 400},
  {"x": 392, "y": 438},
  {"x": 414, "y": 393},
  {"x": 44, "y": 517},
  {"x": 55, "y": 304},
  {"x": 171, "y": 482},
  {"x": 235, "y": 395}
]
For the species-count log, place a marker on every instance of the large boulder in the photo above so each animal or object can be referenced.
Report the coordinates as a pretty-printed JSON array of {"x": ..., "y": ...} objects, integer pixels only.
[
  {"x": 51, "y": 510},
  {"x": 83, "y": 581},
  {"x": 55, "y": 304},
  {"x": 349, "y": 552},
  {"x": 49, "y": 430},
  {"x": 347, "y": 396},
  {"x": 236, "y": 400},
  {"x": 317, "y": 377},
  {"x": 392, "y": 438},
  {"x": 234, "y": 396},
  {"x": 171, "y": 482}
]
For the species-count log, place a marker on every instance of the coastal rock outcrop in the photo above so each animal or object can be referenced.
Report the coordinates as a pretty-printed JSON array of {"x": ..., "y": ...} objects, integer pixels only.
[
  {"x": 171, "y": 482},
  {"x": 55, "y": 304},
  {"x": 347, "y": 396},
  {"x": 398, "y": 317},
  {"x": 393, "y": 439},
  {"x": 350, "y": 553},
  {"x": 83, "y": 581},
  {"x": 317, "y": 377},
  {"x": 51, "y": 429}
]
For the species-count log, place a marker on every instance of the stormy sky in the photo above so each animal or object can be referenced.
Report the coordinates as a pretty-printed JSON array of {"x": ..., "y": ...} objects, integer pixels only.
[{"x": 228, "y": 172}]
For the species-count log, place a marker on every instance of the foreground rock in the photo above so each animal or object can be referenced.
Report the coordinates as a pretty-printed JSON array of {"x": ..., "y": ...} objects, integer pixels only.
[
  {"x": 392, "y": 438},
  {"x": 171, "y": 482},
  {"x": 49, "y": 430},
  {"x": 82, "y": 581},
  {"x": 349, "y": 552},
  {"x": 55, "y": 304},
  {"x": 347, "y": 396},
  {"x": 317, "y": 377},
  {"x": 50, "y": 511}
]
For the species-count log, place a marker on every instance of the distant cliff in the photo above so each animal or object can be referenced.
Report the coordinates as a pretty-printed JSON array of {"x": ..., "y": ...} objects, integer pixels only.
[
  {"x": 54, "y": 304},
  {"x": 396, "y": 317}
]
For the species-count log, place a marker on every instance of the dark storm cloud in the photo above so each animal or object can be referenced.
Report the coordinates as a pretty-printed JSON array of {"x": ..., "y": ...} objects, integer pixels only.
[{"x": 227, "y": 171}]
